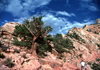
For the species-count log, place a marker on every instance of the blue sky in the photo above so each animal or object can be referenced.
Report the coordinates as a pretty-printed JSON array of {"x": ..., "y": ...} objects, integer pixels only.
[{"x": 61, "y": 15}]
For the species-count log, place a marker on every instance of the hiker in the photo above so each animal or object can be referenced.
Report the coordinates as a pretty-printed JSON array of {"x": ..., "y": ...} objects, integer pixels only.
[
  {"x": 82, "y": 65},
  {"x": 68, "y": 61}
]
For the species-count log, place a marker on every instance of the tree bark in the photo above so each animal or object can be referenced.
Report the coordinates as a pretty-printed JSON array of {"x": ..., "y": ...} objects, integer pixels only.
[{"x": 33, "y": 47}]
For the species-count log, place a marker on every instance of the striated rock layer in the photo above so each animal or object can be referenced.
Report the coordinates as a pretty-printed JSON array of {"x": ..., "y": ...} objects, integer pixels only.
[{"x": 85, "y": 49}]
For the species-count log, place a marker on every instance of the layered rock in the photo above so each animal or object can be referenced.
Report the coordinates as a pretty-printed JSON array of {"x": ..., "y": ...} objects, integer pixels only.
[
  {"x": 6, "y": 31},
  {"x": 85, "y": 48}
]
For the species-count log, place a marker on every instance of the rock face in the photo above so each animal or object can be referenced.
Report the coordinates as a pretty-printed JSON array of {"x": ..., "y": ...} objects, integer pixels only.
[
  {"x": 98, "y": 21},
  {"x": 8, "y": 28},
  {"x": 86, "y": 46},
  {"x": 85, "y": 49},
  {"x": 6, "y": 31}
]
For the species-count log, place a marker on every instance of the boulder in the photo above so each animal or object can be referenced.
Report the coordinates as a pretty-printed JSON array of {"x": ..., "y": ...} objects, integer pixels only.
[{"x": 8, "y": 28}]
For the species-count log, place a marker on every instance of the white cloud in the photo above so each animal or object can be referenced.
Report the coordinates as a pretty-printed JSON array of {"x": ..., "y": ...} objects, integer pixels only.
[
  {"x": 59, "y": 24},
  {"x": 20, "y": 20},
  {"x": 88, "y": 4},
  {"x": 65, "y": 13},
  {"x": 54, "y": 22},
  {"x": 62, "y": 25},
  {"x": 22, "y": 7},
  {"x": 68, "y": 26}
]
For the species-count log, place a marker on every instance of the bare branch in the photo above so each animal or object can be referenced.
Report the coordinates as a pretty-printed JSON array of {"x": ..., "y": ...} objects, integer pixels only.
[
  {"x": 47, "y": 30},
  {"x": 29, "y": 30}
]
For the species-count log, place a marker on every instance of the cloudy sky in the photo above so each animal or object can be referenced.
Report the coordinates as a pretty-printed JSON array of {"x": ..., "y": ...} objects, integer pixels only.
[{"x": 61, "y": 15}]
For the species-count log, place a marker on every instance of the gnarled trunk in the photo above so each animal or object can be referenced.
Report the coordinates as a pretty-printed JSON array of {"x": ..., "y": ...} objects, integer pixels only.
[{"x": 33, "y": 47}]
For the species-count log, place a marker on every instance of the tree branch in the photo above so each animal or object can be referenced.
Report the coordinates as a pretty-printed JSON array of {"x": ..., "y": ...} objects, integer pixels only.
[{"x": 29, "y": 30}]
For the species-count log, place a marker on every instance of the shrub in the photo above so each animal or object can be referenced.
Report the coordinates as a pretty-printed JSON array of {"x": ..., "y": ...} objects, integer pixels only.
[
  {"x": 98, "y": 59},
  {"x": 80, "y": 55},
  {"x": 24, "y": 55},
  {"x": 89, "y": 63},
  {"x": 96, "y": 32},
  {"x": 98, "y": 45},
  {"x": 8, "y": 63},
  {"x": 76, "y": 36},
  {"x": 89, "y": 30},
  {"x": 1, "y": 55},
  {"x": 61, "y": 44},
  {"x": 42, "y": 48},
  {"x": 95, "y": 66},
  {"x": 17, "y": 51}
]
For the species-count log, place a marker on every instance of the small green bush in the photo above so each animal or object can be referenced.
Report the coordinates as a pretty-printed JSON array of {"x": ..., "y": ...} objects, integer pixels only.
[
  {"x": 16, "y": 50},
  {"x": 2, "y": 55},
  {"x": 96, "y": 32},
  {"x": 80, "y": 55},
  {"x": 95, "y": 66},
  {"x": 98, "y": 45},
  {"x": 98, "y": 59},
  {"x": 89, "y": 63},
  {"x": 24, "y": 56},
  {"x": 76, "y": 36},
  {"x": 89, "y": 30},
  {"x": 8, "y": 63}
]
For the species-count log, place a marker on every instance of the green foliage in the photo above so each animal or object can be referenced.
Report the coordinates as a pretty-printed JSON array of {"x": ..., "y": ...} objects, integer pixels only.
[
  {"x": 31, "y": 29},
  {"x": 89, "y": 63},
  {"x": 42, "y": 48},
  {"x": 96, "y": 32},
  {"x": 21, "y": 43},
  {"x": 2, "y": 55},
  {"x": 89, "y": 30},
  {"x": 98, "y": 45},
  {"x": 98, "y": 59},
  {"x": 8, "y": 63},
  {"x": 80, "y": 55},
  {"x": 0, "y": 35},
  {"x": 61, "y": 44},
  {"x": 16, "y": 50},
  {"x": 76, "y": 36},
  {"x": 95, "y": 66}
]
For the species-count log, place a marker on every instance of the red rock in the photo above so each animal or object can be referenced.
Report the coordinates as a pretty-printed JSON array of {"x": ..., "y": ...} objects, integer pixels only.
[
  {"x": 5, "y": 33},
  {"x": 32, "y": 64},
  {"x": 46, "y": 67},
  {"x": 53, "y": 63},
  {"x": 10, "y": 50},
  {"x": 54, "y": 52}
]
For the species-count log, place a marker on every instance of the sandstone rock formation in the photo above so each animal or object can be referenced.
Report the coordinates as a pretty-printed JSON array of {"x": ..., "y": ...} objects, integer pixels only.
[
  {"x": 6, "y": 31},
  {"x": 85, "y": 49}
]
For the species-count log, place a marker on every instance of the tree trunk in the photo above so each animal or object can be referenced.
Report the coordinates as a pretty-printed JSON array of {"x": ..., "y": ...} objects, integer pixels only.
[{"x": 33, "y": 47}]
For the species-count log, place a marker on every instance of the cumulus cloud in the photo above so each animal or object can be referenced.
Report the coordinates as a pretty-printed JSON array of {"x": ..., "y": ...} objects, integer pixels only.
[
  {"x": 65, "y": 13},
  {"x": 88, "y": 4},
  {"x": 54, "y": 22},
  {"x": 22, "y": 7},
  {"x": 68, "y": 26},
  {"x": 61, "y": 24}
]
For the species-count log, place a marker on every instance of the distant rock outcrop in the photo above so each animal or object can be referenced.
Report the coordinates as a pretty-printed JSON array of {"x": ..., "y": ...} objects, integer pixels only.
[
  {"x": 98, "y": 21},
  {"x": 86, "y": 44},
  {"x": 7, "y": 29}
]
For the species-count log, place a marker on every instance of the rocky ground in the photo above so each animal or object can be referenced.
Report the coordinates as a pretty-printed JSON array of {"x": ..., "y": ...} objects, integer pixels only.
[{"x": 18, "y": 58}]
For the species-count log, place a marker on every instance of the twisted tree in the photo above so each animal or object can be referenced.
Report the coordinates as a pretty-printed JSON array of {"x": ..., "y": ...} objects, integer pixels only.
[{"x": 31, "y": 30}]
